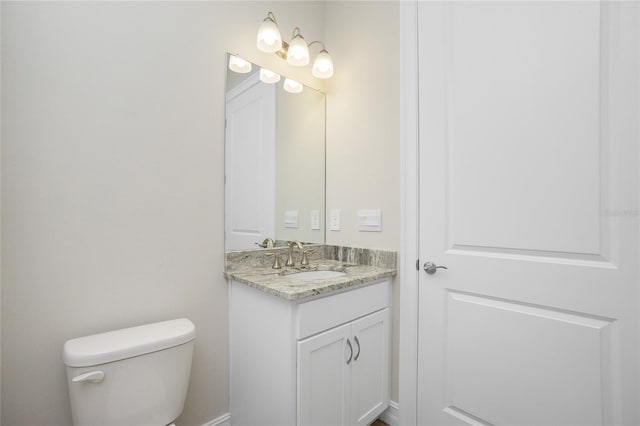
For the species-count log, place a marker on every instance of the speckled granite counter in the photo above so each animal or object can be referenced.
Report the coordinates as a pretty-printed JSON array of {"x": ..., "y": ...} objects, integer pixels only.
[{"x": 253, "y": 267}]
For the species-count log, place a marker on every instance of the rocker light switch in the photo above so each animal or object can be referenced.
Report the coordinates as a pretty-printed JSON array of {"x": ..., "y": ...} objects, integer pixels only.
[
  {"x": 334, "y": 220},
  {"x": 291, "y": 219},
  {"x": 370, "y": 220},
  {"x": 315, "y": 219}
]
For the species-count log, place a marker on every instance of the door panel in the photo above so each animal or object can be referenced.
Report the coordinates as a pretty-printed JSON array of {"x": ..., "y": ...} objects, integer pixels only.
[
  {"x": 523, "y": 101},
  {"x": 494, "y": 343},
  {"x": 250, "y": 147},
  {"x": 529, "y": 195}
]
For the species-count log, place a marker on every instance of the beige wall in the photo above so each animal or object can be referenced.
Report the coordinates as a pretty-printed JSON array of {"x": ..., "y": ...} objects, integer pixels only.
[
  {"x": 112, "y": 182},
  {"x": 112, "y": 172},
  {"x": 300, "y": 162},
  {"x": 363, "y": 127}
]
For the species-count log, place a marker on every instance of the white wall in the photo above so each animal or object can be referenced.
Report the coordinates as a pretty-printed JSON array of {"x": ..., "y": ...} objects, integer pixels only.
[
  {"x": 363, "y": 127},
  {"x": 362, "y": 119},
  {"x": 112, "y": 172},
  {"x": 300, "y": 162},
  {"x": 112, "y": 182}
]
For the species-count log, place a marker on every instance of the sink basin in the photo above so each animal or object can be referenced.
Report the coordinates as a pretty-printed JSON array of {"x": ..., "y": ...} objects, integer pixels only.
[{"x": 316, "y": 275}]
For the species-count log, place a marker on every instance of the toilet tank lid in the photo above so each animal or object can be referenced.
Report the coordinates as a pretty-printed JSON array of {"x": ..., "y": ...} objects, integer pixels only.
[{"x": 127, "y": 342}]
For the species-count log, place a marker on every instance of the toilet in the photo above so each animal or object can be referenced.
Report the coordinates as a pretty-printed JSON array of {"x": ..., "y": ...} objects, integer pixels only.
[{"x": 133, "y": 376}]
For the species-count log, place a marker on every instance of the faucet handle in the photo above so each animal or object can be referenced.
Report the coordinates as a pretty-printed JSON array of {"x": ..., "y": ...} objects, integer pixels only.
[
  {"x": 276, "y": 260},
  {"x": 266, "y": 242},
  {"x": 305, "y": 259}
]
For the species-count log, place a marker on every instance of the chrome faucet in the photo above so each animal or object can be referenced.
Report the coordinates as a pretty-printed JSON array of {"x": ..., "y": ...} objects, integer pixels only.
[
  {"x": 267, "y": 243},
  {"x": 290, "y": 261}
]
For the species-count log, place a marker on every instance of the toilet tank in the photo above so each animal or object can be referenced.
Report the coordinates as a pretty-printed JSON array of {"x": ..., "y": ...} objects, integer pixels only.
[{"x": 133, "y": 376}]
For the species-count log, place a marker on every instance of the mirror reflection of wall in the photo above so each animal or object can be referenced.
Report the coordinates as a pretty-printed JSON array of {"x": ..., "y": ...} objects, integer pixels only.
[{"x": 274, "y": 162}]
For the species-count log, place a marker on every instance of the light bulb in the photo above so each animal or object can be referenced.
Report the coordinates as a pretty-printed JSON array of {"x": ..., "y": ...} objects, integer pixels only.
[
  {"x": 269, "y": 39},
  {"x": 323, "y": 65},
  {"x": 298, "y": 53},
  {"x": 292, "y": 86},
  {"x": 269, "y": 76},
  {"x": 239, "y": 65}
]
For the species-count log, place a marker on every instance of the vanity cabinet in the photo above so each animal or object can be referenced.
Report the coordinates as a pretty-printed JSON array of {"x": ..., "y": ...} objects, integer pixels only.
[
  {"x": 324, "y": 361},
  {"x": 343, "y": 373}
]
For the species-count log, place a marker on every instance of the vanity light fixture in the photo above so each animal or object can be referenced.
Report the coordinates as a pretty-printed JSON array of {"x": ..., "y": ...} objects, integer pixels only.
[
  {"x": 292, "y": 86},
  {"x": 297, "y": 52},
  {"x": 269, "y": 39},
  {"x": 323, "y": 65},
  {"x": 269, "y": 76},
  {"x": 239, "y": 65}
]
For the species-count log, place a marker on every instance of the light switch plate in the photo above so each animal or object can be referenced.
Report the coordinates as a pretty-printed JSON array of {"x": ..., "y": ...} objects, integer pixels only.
[
  {"x": 291, "y": 219},
  {"x": 334, "y": 220},
  {"x": 370, "y": 220},
  {"x": 315, "y": 220}
]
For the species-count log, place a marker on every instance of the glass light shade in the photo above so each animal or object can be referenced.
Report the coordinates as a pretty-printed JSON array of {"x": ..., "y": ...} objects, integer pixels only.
[
  {"x": 298, "y": 53},
  {"x": 269, "y": 39},
  {"x": 237, "y": 64},
  {"x": 292, "y": 86},
  {"x": 269, "y": 76},
  {"x": 323, "y": 65}
]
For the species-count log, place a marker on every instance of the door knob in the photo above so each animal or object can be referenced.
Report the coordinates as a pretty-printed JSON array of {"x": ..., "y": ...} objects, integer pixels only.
[{"x": 431, "y": 268}]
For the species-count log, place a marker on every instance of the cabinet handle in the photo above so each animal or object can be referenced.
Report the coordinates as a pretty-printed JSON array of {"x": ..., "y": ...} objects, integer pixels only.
[
  {"x": 355, "y": 358},
  {"x": 350, "y": 352}
]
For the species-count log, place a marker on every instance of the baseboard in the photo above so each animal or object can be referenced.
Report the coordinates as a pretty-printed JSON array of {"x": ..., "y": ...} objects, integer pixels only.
[
  {"x": 391, "y": 415},
  {"x": 223, "y": 420}
]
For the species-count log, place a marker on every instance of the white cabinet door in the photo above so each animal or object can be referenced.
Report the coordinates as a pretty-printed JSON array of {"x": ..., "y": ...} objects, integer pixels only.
[
  {"x": 343, "y": 374},
  {"x": 324, "y": 377},
  {"x": 529, "y": 195},
  {"x": 370, "y": 367}
]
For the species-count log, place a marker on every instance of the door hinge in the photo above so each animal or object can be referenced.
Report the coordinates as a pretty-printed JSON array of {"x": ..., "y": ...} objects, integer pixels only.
[{"x": 417, "y": 264}]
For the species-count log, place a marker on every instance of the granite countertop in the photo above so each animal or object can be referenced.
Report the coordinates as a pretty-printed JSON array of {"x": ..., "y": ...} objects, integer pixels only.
[{"x": 277, "y": 282}]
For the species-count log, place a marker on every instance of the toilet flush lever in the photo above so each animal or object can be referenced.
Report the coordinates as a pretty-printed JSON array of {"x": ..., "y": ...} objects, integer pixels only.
[{"x": 92, "y": 376}]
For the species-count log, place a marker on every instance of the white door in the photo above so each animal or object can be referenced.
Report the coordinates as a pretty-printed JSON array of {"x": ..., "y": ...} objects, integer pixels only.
[
  {"x": 529, "y": 139},
  {"x": 370, "y": 368},
  {"x": 250, "y": 147},
  {"x": 324, "y": 374}
]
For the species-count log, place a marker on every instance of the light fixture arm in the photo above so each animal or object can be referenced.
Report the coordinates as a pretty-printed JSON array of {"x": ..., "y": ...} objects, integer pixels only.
[
  {"x": 271, "y": 16},
  {"x": 296, "y": 32},
  {"x": 319, "y": 42}
]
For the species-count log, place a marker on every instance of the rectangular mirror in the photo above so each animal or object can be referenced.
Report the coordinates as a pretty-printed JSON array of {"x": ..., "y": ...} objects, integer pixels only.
[{"x": 274, "y": 161}]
